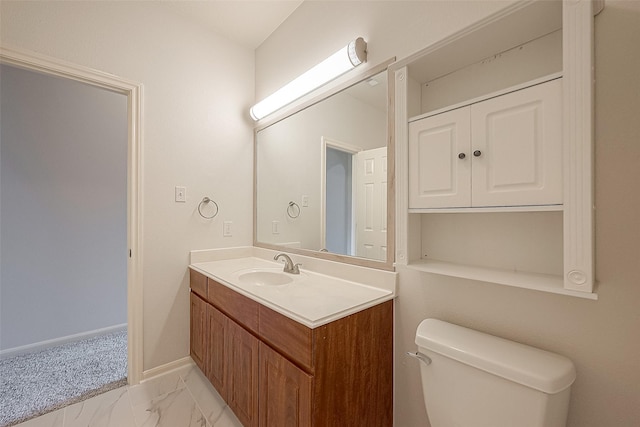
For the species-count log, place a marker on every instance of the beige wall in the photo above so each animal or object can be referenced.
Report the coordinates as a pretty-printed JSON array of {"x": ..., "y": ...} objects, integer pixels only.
[
  {"x": 197, "y": 133},
  {"x": 601, "y": 337}
]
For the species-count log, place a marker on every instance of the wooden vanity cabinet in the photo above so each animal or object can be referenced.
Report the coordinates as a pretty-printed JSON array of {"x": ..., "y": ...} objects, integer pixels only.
[{"x": 274, "y": 371}]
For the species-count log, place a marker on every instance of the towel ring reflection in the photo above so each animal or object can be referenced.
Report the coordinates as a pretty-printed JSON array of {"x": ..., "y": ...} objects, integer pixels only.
[
  {"x": 205, "y": 201},
  {"x": 293, "y": 210}
]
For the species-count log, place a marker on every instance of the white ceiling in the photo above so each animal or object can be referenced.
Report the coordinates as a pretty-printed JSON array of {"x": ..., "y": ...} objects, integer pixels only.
[{"x": 246, "y": 22}]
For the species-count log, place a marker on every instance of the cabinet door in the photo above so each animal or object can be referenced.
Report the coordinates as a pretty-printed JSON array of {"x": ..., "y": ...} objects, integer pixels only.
[
  {"x": 517, "y": 146},
  {"x": 242, "y": 373},
  {"x": 285, "y": 391},
  {"x": 197, "y": 331},
  {"x": 439, "y": 161},
  {"x": 216, "y": 360}
]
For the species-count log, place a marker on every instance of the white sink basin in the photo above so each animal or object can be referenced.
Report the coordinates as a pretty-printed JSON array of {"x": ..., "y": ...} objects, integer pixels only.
[{"x": 265, "y": 278}]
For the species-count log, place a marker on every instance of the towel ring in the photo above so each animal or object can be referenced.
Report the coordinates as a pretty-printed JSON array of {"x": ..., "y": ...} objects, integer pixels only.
[
  {"x": 293, "y": 210},
  {"x": 204, "y": 201}
]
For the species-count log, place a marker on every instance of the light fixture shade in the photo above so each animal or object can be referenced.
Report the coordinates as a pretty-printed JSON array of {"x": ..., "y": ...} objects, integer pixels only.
[{"x": 350, "y": 56}]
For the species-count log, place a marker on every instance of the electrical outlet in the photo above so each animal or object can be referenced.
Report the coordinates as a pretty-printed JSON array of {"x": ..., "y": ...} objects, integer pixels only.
[
  {"x": 181, "y": 194},
  {"x": 226, "y": 229},
  {"x": 305, "y": 201}
]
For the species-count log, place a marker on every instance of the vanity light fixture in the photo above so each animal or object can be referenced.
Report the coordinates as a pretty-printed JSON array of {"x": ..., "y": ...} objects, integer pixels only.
[{"x": 347, "y": 58}]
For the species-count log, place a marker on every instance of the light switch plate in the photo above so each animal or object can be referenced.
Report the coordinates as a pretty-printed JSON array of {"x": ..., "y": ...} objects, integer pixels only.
[{"x": 181, "y": 194}]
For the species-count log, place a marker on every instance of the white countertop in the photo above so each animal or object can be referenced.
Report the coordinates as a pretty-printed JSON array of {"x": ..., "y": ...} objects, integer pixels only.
[{"x": 312, "y": 298}]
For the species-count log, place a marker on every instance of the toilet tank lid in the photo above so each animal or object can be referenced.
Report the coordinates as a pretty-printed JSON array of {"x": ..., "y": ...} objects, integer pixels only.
[{"x": 535, "y": 368}]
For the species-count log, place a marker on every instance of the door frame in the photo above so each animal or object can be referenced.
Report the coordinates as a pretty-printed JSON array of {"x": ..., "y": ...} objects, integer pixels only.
[{"x": 133, "y": 91}]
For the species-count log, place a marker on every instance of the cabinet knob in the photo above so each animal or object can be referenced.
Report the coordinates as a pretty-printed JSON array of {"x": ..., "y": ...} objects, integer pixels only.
[
  {"x": 461, "y": 156},
  {"x": 477, "y": 153}
]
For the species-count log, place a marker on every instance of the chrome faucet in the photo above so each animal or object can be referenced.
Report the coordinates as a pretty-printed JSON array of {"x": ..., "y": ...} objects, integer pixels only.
[{"x": 289, "y": 266}]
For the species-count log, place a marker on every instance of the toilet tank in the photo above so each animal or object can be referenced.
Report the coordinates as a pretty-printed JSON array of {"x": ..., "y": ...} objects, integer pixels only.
[{"x": 479, "y": 380}]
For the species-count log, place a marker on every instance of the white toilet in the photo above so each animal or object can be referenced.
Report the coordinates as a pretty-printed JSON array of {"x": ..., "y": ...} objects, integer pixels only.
[{"x": 472, "y": 379}]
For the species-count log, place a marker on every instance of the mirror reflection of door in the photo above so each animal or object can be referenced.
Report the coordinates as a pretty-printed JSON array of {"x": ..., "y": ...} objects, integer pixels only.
[
  {"x": 371, "y": 203},
  {"x": 354, "y": 201}
]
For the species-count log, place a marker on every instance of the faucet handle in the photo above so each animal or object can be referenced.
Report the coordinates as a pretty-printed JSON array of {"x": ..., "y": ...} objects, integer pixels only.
[{"x": 296, "y": 269}]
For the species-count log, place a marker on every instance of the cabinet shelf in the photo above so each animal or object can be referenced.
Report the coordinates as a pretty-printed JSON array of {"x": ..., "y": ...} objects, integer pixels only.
[
  {"x": 534, "y": 281},
  {"x": 492, "y": 209}
]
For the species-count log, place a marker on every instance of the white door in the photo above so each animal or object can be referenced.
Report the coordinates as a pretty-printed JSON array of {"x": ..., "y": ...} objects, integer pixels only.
[
  {"x": 517, "y": 148},
  {"x": 371, "y": 203},
  {"x": 440, "y": 161}
]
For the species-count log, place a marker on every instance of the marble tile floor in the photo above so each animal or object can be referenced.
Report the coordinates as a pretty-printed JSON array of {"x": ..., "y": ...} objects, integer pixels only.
[{"x": 181, "y": 398}]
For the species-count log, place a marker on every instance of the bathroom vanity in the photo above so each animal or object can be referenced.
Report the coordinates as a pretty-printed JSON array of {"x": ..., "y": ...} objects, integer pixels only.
[{"x": 309, "y": 350}]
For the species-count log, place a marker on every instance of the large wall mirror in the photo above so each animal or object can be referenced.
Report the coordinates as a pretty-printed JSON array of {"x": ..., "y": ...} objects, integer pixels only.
[{"x": 324, "y": 176}]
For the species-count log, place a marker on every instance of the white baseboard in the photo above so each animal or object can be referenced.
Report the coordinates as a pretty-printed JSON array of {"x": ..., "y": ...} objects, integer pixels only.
[
  {"x": 32, "y": 348},
  {"x": 166, "y": 368}
]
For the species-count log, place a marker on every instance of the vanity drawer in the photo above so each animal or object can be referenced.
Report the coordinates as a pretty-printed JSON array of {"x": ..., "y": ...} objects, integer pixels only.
[
  {"x": 291, "y": 338},
  {"x": 198, "y": 283},
  {"x": 240, "y": 308}
]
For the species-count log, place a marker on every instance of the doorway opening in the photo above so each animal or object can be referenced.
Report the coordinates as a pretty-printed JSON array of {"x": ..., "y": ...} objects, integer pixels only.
[
  {"x": 56, "y": 207},
  {"x": 338, "y": 196},
  {"x": 339, "y": 202}
]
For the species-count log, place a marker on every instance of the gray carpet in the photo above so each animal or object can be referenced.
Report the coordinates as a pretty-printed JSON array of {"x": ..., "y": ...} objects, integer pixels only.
[{"x": 37, "y": 383}]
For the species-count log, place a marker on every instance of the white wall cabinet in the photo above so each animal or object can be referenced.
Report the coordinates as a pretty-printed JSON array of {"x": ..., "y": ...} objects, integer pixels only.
[
  {"x": 473, "y": 217},
  {"x": 503, "y": 151}
]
